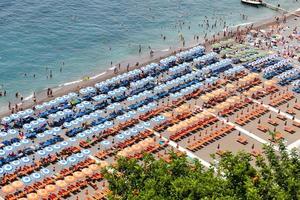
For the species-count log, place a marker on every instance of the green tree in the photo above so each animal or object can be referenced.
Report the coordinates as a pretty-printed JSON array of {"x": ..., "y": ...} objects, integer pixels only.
[{"x": 273, "y": 175}]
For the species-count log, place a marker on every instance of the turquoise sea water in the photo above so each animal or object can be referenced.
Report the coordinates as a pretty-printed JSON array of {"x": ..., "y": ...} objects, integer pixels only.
[{"x": 83, "y": 37}]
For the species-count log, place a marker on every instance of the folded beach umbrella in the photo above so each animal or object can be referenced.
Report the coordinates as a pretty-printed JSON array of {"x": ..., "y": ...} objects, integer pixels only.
[
  {"x": 63, "y": 163},
  {"x": 7, "y": 189},
  {"x": 66, "y": 97},
  {"x": 53, "y": 117},
  {"x": 70, "y": 179},
  {"x": 8, "y": 168},
  {"x": 60, "y": 100},
  {"x": 25, "y": 161},
  {"x": 17, "y": 146},
  {"x": 56, "y": 148},
  {"x": 134, "y": 131},
  {"x": 94, "y": 130},
  {"x": 60, "y": 114},
  {"x": 36, "y": 177},
  {"x": 18, "y": 185},
  {"x": 61, "y": 184},
  {"x": 67, "y": 125},
  {"x": 2, "y": 153},
  {"x": 22, "y": 114},
  {"x": 12, "y": 133},
  {"x": 6, "y": 120},
  {"x": 108, "y": 124},
  {"x": 83, "y": 92},
  {"x": 121, "y": 119},
  {"x": 73, "y": 95},
  {"x": 68, "y": 112},
  {"x": 127, "y": 134},
  {"x": 87, "y": 172},
  {"x": 86, "y": 152},
  {"x": 49, "y": 150},
  {"x": 133, "y": 114},
  {"x": 80, "y": 135},
  {"x": 72, "y": 160},
  {"x": 50, "y": 188},
  {"x": 140, "y": 127},
  {"x": 8, "y": 150},
  {"x": 34, "y": 124},
  {"x": 72, "y": 141},
  {"x": 119, "y": 138},
  {"x": 47, "y": 105},
  {"x": 42, "y": 193},
  {"x": 105, "y": 144},
  {"x": 101, "y": 127},
  {"x": 57, "y": 130},
  {"x": 75, "y": 124},
  {"x": 80, "y": 156},
  {"x": 15, "y": 116},
  {"x": 100, "y": 85},
  {"x": 53, "y": 103},
  {"x": 64, "y": 144},
  {"x": 26, "y": 180},
  {"x": 3, "y": 134}
]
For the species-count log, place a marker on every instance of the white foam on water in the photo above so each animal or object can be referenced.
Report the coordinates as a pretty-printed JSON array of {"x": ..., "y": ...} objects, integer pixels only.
[
  {"x": 98, "y": 75},
  {"x": 70, "y": 83},
  {"x": 242, "y": 24},
  {"x": 28, "y": 97},
  {"x": 165, "y": 50}
]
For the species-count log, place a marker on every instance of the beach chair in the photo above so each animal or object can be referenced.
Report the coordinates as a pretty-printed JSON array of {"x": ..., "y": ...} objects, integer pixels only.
[
  {"x": 289, "y": 129},
  {"x": 255, "y": 153},
  {"x": 297, "y": 124},
  {"x": 242, "y": 140}
]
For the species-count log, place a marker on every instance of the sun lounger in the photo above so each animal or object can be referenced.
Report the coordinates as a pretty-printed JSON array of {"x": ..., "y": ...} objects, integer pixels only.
[
  {"x": 242, "y": 140},
  {"x": 297, "y": 124},
  {"x": 289, "y": 129}
]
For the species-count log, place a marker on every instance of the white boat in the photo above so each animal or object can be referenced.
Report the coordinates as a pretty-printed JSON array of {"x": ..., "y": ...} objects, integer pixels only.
[{"x": 252, "y": 2}]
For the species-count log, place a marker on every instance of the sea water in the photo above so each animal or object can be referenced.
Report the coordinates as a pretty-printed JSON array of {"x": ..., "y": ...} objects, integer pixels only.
[{"x": 74, "y": 38}]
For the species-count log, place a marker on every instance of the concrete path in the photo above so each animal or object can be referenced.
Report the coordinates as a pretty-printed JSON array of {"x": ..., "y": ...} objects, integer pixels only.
[
  {"x": 273, "y": 109},
  {"x": 295, "y": 144},
  {"x": 243, "y": 131},
  {"x": 182, "y": 149}
]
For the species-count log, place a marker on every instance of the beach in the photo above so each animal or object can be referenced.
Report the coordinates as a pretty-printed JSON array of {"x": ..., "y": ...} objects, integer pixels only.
[{"x": 237, "y": 90}]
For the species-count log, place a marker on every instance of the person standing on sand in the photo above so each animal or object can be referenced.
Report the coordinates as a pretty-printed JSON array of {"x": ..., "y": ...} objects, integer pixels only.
[
  {"x": 151, "y": 53},
  {"x": 48, "y": 92}
]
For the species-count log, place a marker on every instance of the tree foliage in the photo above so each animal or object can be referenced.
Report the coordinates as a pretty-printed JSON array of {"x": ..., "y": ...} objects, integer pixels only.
[{"x": 273, "y": 175}]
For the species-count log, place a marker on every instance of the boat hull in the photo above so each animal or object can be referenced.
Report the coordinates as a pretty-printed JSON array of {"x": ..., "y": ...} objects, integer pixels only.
[{"x": 253, "y": 3}]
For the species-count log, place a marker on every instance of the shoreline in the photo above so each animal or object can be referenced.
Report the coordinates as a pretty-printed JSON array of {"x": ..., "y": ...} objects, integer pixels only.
[{"x": 143, "y": 60}]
